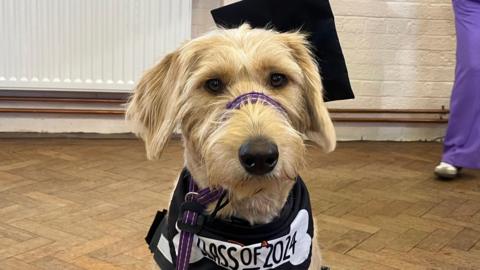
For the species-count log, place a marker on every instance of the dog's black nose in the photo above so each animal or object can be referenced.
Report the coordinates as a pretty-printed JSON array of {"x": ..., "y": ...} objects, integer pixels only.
[{"x": 258, "y": 155}]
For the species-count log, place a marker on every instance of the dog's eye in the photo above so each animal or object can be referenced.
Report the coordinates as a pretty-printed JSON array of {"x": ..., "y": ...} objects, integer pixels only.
[
  {"x": 214, "y": 85},
  {"x": 278, "y": 80}
]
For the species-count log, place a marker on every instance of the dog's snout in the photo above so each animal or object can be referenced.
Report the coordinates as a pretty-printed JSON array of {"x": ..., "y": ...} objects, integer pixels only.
[{"x": 258, "y": 155}]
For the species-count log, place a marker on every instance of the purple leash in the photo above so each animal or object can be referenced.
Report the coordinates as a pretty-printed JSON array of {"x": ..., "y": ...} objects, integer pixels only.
[
  {"x": 191, "y": 216},
  {"x": 192, "y": 219}
]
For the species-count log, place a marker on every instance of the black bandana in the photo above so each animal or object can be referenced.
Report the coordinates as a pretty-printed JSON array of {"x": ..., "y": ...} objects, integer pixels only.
[{"x": 285, "y": 243}]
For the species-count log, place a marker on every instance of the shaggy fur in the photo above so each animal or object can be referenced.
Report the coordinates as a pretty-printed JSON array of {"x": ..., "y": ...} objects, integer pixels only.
[{"x": 172, "y": 94}]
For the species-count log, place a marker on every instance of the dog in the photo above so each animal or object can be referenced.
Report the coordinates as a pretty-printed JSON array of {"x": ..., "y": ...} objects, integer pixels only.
[{"x": 245, "y": 101}]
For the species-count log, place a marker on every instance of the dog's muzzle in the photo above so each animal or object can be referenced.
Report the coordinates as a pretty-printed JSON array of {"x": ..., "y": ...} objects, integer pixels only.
[{"x": 257, "y": 155}]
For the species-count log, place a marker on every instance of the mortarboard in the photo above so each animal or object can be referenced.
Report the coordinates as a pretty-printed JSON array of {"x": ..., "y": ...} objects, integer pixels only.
[{"x": 314, "y": 17}]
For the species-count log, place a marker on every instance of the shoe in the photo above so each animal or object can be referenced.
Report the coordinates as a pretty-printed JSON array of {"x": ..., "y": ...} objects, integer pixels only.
[{"x": 446, "y": 171}]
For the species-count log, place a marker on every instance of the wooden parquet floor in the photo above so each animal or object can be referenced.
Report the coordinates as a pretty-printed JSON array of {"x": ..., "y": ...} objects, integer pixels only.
[{"x": 87, "y": 204}]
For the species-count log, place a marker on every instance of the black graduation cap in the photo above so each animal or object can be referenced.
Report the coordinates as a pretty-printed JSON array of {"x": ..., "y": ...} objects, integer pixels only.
[{"x": 314, "y": 17}]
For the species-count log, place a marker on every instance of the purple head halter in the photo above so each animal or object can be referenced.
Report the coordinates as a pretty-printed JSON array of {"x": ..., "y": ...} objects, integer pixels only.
[{"x": 255, "y": 97}]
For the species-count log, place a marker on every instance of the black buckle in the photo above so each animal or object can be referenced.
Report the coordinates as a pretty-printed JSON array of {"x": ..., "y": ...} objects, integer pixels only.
[{"x": 193, "y": 207}]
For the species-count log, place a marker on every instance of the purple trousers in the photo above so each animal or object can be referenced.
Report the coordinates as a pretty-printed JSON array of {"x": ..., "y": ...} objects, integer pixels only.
[{"x": 462, "y": 141}]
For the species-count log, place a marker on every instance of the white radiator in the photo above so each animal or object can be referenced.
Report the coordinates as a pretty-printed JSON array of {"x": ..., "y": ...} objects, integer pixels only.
[{"x": 86, "y": 45}]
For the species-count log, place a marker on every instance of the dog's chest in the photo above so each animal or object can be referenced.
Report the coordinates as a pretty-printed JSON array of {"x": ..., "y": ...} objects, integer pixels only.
[{"x": 285, "y": 243}]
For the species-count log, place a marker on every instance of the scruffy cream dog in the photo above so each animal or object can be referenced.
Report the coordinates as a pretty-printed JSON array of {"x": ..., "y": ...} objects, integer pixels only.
[{"x": 245, "y": 100}]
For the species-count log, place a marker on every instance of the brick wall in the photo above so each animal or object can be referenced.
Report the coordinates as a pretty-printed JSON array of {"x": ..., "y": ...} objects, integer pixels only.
[
  {"x": 400, "y": 53},
  {"x": 201, "y": 19}
]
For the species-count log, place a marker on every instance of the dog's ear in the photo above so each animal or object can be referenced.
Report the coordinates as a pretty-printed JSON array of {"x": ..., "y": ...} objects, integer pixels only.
[
  {"x": 318, "y": 125},
  {"x": 155, "y": 106}
]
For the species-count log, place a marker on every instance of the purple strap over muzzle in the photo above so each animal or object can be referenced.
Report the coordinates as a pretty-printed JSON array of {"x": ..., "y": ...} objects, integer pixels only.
[{"x": 255, "y": 97}]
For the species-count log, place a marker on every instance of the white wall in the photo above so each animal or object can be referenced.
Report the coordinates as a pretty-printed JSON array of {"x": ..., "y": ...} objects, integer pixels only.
[
  {"x": 400, "y": 54},
  {"x": 202, "y": 21},
  {"x": 83, "y": 46},
  {"x": 44, "y": 123}
]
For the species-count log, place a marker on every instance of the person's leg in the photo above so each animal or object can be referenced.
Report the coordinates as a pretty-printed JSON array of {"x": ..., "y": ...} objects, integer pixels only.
[{"x": 462, "y": 141}]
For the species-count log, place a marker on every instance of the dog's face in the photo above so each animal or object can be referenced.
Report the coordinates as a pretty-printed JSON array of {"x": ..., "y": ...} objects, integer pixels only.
[{"x": 254, "y": 150}]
